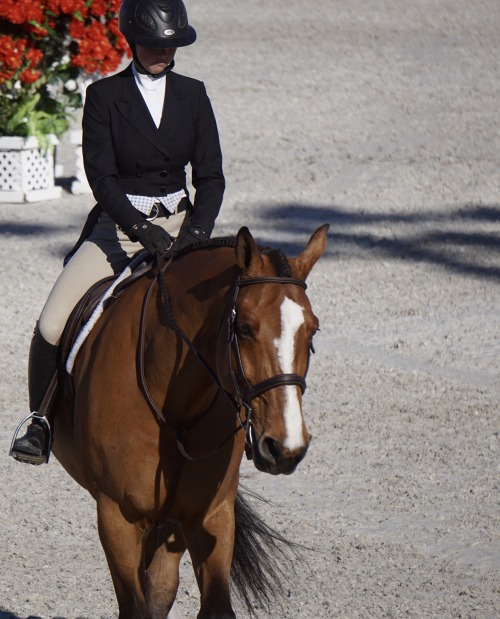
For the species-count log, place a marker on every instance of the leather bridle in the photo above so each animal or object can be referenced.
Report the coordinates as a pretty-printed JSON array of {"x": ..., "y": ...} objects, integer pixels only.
[
  {"x": 239, "y": 398},
  {"x": 254, "y": 391}
]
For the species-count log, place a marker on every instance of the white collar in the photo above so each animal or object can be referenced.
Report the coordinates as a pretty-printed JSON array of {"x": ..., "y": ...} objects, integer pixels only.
[{"x": 148, "y": 82}]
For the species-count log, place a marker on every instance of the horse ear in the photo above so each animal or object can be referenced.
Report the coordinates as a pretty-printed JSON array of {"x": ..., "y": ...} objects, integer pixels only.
[
  {"x": 247, "y": 253},
  {"x": 312, "y": 253}
]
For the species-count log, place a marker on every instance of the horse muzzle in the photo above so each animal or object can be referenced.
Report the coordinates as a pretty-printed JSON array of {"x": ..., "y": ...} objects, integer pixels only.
[{"x": 271, "y": 456}]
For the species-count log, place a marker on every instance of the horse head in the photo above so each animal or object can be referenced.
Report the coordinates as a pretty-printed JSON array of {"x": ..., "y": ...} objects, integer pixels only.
[{"x": 271, "y": 331}]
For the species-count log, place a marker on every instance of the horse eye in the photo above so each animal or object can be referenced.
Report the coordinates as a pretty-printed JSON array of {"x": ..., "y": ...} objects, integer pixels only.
[{"x": 244, "y": 329}]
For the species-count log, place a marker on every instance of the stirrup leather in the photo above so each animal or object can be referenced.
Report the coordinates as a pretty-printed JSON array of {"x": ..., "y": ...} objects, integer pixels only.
[{"x": 32, "y": 459}]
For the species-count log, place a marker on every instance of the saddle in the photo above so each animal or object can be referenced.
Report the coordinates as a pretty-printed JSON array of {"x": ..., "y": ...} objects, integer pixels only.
[
  {"x": 103, "y": 293},
  {"x": 81, "y": 315}
]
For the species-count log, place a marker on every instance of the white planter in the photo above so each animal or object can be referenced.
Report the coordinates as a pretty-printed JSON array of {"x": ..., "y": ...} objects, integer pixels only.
[
  {"x": 81, "y": 184},
  {"x": 26, "y": 171}
]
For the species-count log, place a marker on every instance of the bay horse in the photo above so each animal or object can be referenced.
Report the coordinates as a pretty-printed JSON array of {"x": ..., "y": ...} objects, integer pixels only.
[{"x": 198, "y": 360}]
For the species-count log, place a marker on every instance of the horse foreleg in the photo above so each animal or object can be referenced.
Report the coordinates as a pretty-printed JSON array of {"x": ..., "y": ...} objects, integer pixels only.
[
  {"x": 122, "y": 542},
  {"x": 211, "y": 548},
  {"x": 163, "y": 551}
]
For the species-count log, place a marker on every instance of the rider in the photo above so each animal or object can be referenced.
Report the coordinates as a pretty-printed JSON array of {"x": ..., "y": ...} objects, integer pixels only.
[{"x": 141, "y": 127}]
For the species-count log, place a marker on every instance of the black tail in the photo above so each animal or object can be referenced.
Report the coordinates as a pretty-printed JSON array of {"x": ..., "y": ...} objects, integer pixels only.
[{"x": 263, "y": 559}]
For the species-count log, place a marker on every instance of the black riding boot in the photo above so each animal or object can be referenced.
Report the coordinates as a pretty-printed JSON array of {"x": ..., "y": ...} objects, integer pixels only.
[{"x": 34, "y": 446}]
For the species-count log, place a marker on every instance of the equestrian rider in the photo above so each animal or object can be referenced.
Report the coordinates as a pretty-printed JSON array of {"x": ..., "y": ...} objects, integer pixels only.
[{"x": 141, "y": 127}]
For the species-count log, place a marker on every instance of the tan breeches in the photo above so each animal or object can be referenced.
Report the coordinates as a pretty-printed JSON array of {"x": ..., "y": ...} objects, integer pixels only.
[{"x": 107, "y": 251}]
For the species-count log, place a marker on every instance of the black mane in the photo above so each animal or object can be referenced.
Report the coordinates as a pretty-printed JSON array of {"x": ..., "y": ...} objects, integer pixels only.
[
  {"x": 279, "y": 261},
  {"x": 277, "y": 256}
]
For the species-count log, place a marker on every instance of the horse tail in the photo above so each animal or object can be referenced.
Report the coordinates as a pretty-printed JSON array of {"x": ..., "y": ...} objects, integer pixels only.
[{"x": 262, "y": 559}]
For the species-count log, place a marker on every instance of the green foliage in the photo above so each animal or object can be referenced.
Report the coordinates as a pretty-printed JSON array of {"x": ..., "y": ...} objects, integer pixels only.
[
  {"x": 34, "y": 115},
  {"x": 46, "y": 51}
]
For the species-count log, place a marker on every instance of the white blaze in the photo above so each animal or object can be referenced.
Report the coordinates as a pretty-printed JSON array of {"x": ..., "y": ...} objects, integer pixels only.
[{"x": 292, "y": 316}]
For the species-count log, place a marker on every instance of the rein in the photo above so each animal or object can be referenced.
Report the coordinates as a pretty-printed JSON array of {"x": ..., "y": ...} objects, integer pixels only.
[
  {"x": 239, "y": 400},
  {"x": 180, "y": 431}
]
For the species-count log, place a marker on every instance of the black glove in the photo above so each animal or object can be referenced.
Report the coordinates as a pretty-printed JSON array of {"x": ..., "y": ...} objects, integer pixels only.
[
  {"x": 154, "y": 238},
  {"x": 195, "y": 234}
]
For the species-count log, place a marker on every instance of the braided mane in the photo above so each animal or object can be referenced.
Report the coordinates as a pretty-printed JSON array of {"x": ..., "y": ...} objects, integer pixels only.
[
  {"x": 279, "y": 262},
  {"x": 276, "y": 256}
]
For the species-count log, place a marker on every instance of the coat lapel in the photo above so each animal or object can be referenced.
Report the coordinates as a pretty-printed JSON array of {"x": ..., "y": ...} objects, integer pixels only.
[
  {"x": 133, "y": 107},
  {"x": 170, "y": 117}
]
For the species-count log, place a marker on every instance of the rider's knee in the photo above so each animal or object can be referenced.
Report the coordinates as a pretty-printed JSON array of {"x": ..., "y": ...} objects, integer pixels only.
[{"x": 50, "y": 329}]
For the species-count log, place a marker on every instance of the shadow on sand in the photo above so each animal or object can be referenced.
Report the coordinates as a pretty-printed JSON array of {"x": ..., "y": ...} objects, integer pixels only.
[{"x": 462, "y": 241}]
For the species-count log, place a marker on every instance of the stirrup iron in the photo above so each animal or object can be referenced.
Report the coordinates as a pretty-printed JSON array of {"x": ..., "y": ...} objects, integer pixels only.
[{"x": 27, "y": 458}]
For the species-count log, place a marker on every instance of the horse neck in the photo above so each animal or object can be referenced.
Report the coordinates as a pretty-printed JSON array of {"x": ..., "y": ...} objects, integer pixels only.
[
  {"x": 182, "y": 331},
  {"x": 190, "y": 355},
  {"x": 199, "y": 286}
]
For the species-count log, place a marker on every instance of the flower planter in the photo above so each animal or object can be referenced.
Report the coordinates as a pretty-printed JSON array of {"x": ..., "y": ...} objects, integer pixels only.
[
  {"x": 26, "y": 171},
  {"x": 80, "y": 185}
]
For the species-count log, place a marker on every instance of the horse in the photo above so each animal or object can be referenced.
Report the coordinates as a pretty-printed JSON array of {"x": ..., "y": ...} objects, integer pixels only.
[{"x": 199, "y": 360}]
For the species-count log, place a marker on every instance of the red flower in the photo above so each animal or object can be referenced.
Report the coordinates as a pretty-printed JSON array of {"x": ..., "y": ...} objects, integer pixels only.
[
  {"x": 76, "y": 29},
  {"x": 11, "y": 56},
  {"x": 15, "y": 55},
  {"x": 69, "y": 7},
  {"x": 21, "y": 11},
  {"x": 37, "y": 32},
  {"x": 28, "y": 76},
  {"x": 114, "y": 6},
  {"x": 33, "y": 56},
  {"x": 44, "y": 34},
  {"x": 99, "y": 8},
  {"x": 120, "y": 41},
  {"x": 95, "y": 51}
]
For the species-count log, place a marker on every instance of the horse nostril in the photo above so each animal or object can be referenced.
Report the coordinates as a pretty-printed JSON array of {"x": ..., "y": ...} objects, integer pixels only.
[
  {"x": 273, "y": 448},
  {"x": 272, "y": 456}
]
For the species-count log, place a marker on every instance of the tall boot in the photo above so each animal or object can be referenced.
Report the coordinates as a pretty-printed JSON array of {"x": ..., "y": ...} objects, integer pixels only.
[{"x": 34, "y": 446}]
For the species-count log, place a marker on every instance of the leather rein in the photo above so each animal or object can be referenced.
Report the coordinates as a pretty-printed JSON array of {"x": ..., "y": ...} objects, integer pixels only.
[{"x": 239, "y": 399}]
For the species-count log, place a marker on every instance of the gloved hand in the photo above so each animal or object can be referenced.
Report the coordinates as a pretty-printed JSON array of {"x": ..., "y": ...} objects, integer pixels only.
[
  {"x": 195, "y": 234},
  {"x": 154, "y": 238}
]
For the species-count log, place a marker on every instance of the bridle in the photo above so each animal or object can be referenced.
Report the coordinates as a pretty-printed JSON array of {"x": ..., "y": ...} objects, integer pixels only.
[
  {"x": 278, "y": 380},
  {"x": 239, "y": 398}
]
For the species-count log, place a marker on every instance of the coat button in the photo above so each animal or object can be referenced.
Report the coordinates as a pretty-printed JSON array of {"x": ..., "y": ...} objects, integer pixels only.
[
  {"x": 163, "y": 173},
  {"x": 163, "y": 188}
]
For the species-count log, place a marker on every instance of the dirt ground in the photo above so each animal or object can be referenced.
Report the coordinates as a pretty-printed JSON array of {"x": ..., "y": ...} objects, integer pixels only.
[{"x": 382, "y": 118}]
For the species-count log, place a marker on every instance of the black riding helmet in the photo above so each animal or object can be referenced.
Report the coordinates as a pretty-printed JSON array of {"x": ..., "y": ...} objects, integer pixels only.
[{"x": 155, "y": 23}]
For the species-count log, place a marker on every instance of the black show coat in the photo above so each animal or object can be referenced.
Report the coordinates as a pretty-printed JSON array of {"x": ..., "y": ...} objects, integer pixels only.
[{"x": 124, "y": 151}]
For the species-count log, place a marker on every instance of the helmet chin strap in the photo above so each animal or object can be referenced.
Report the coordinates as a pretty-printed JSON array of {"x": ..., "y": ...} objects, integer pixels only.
[{"x": 141, "y": 69}]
